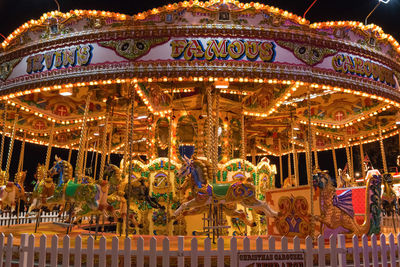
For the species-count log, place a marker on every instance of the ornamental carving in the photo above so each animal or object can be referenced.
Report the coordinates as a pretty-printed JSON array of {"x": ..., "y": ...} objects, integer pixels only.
[
  {"x": 307, "y": 53},
  {"x": 7, "y": 67},
  {"x": 132, "y": 49},
  {"x": 294, "y": 219}
]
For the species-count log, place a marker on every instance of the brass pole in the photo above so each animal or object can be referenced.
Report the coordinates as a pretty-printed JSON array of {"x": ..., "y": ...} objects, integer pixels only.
[
  {"x": 216, "y": 137},
  {"x": 385, "y": 169},
  {"x": 314, "y": 136},
  {"x": 22, "y": 154},
  {"x": 10, "y": 149},
  {"x": 334, "y": 160},
  {"x": 104, "y": 144},
  {"x": 280, "y": 162},
  {"x": 130, "y": 151},
  {"x": 49, "y": 147},
  {"x": 349, "y": 162},
  {"x": 3, "y": 132},
  {"x": 79, "y": 161},
  {"x": 209, "y": 130},
  {"x": 70, "y": 154},
  {"x": 309, "y": 164},
  {"x": 362, "y": 160}
]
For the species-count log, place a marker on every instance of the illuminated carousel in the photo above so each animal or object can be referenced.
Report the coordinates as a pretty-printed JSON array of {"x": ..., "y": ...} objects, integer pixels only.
[{"x": 194, "y": 97}]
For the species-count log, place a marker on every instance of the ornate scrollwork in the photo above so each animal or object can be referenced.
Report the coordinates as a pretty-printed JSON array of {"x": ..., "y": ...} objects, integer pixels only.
[
  {"x": 7, "y": 67},
  {"x": 307, "y": 53},
  {"x": 132, "y": 49},
  {"x": 294, "y": 218}
]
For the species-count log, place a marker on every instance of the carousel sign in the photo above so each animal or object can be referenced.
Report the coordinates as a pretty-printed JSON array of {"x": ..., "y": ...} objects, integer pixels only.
[
  {"x": 222, "y": 49},
  {"x": 271, "y": 259},
  {"x": 62, "y": 58},
  {"x": 356, "y": 65}
]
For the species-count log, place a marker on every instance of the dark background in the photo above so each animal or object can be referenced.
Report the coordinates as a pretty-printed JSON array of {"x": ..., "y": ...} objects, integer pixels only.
[{"x": 14, "y": 13}]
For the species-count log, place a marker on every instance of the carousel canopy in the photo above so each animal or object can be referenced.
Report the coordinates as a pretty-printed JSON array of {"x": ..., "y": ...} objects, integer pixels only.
[{"x": 275, "y": 68}]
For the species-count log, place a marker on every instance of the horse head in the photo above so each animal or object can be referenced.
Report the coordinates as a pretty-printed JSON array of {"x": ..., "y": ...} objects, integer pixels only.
[
  {"x": 19, "y": 177},
  {"x": 196, "y": 169},
  {"x": 322, "y": 180}
]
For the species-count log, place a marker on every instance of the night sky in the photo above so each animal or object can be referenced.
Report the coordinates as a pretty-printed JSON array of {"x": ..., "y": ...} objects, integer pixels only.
[{"x": 14, "y": 13}]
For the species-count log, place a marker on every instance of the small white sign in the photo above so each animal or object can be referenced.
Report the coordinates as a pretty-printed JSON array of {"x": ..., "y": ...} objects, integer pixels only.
[{"x": 271, "y": 259}]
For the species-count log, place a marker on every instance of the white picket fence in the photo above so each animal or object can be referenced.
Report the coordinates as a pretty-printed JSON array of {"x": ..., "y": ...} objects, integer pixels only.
[
  {"x": 319, "y": 253},
  {"x": 44, "y": 217}
]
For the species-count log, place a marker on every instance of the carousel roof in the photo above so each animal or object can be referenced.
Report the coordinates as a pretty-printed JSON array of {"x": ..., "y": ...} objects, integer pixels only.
[{"x": 266, "y": 63}]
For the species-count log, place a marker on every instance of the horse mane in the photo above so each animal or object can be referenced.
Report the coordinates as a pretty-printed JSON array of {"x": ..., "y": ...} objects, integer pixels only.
[
  {"x": 68, "y": 170},
  {"x": 205, "y": 165}
]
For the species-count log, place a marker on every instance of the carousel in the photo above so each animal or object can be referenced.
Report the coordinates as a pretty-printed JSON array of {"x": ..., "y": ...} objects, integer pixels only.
[{"x": 193, "y": 98}]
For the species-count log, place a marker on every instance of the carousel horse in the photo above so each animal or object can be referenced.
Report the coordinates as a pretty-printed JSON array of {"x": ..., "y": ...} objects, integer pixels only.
[
  {"x": 139, "y": 189},
  {"x": 337, "y": 211},
  {"x": 118, "y": 201},
  {"x": 63, "y": 169},
  {"x": 289, "y": 182},
  {"x": 198, "y": 173},
  {"x": 12, "y": 192},
  {"x": 87, "y": 199},
  {"x": 3, "y": 177},
  {"x": 388, "y": 197},
  {"x": 43, "y": 189}
]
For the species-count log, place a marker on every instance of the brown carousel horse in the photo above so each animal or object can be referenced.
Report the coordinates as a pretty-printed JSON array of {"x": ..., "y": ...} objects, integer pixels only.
[
  {"x": 43, "y": 189},
  {"x": 243, "y": 192},
  {"x": 12, "y": 192}
]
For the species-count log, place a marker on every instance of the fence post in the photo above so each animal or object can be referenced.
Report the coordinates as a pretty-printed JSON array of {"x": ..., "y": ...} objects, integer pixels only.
[
  {"x": 9, "y": 251},
  {"x": 356, "y": 251},
  {"x": 165, "y": 252},
  {"x": 234, "y": 250},
  {"x": 139, "y": 252},
  {"x": 309, "y": 251},
  {"x": 181, "y": 257},
  {"x": 127, "y": 252},
  {"x": 392, "y": 247},
  {"x": 54, "y": 251},
  {"x": 207, "y": 252},
  {"x": 153, "y": 250},
  {"x": 365, "y": 250},
  {"x": 333, "y": 243},
  {"x": 284, "y": 243},
  {"x": 342, "y": 254},
  {"x": 193, "y": 252},
  {"x": 66, "y": 251},
  {"x": 374, "y": 245},
  {"x": 220, "y": 257},
  {"x": 383, "y": 250},
  {"x": 23, "y": 254},
  {"x": 78, "y": 251},
  {"x": 321, "y": 251},
  {"x": 246, "y": 244},
  {"x": 296, "y": 243},
  {"x": 102, "y": 252},
  {"x": 271, "y": 243},
  {"x": 114, "y": 251},
  {"x": 259, "y": 244},
  {"x": 90, "y": 251},
  {"x": 31, "y": 250},
  {"x": 2, "y": 237}
]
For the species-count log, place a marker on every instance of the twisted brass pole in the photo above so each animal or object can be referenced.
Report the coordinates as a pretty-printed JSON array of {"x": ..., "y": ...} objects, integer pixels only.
[
  {"x": 334, "y": 160},
  {"x": 385, "y": 168},
  {"x": 3, "y": 135},
  {"x": 131, "y": 107},
  {"x": 49, "y": 147},
  {"x": 362, "y": 160},
  {"x": 79, "y": 161},
  {"x": 11, "y": 147},
  {"x": 104, "y": 144},
  {"x": 22, "y": 154}
]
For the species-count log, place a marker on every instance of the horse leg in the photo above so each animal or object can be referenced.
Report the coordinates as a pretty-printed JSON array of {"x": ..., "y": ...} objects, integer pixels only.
[
  {"x": 232, "y": 212},
  {"x": 259, "y": 206},
  {"x": 194, "y": 203}
]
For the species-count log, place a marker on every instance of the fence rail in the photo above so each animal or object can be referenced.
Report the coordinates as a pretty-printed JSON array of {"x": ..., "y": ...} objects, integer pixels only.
[
  {"x": 383, "y": 252},
  {"x": 5, "y": 218}
]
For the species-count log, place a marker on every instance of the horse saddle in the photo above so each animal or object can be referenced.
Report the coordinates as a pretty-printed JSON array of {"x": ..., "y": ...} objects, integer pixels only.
[{"x": 218, "y": 190}]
